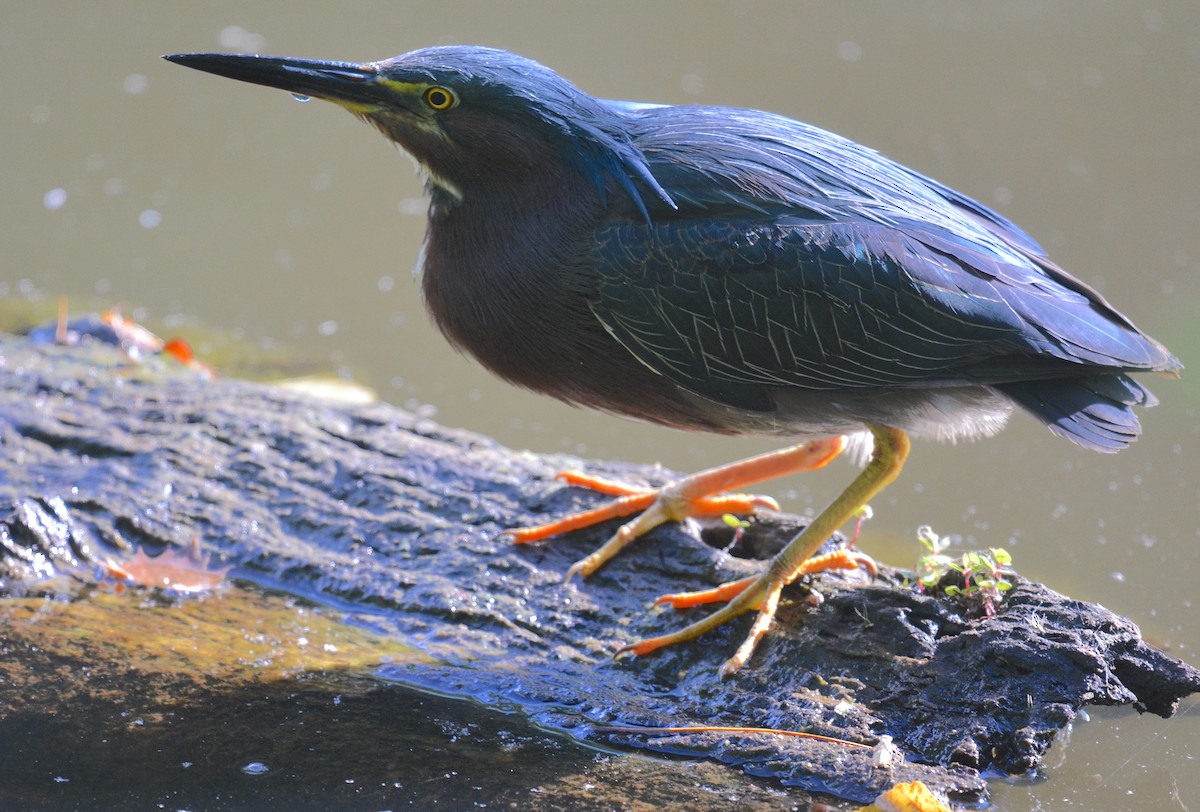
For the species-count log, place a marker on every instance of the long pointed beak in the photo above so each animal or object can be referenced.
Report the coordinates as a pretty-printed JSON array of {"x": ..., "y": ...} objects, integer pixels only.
[{"x": 350, "y": 84}]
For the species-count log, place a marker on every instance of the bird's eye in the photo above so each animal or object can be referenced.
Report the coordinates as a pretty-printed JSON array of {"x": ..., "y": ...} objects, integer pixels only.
[{"x": 439, "y": 98}]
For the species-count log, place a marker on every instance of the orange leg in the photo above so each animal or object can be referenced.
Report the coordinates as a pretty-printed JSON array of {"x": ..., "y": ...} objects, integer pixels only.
[
  {"x": 887, "y": 459},
  {"x": 695, "y": 495}
]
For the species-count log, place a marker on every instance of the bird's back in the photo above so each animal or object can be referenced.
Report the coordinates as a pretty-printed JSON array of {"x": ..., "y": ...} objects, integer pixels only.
[{"x": 794, "y": 259}]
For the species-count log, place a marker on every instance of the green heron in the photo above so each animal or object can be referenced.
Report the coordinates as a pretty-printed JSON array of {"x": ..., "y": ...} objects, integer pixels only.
[{"x": 726, "y": 270}]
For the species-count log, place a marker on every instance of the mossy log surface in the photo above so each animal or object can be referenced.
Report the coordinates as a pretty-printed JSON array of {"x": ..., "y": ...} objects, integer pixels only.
[{"x": 390, "y": 523}]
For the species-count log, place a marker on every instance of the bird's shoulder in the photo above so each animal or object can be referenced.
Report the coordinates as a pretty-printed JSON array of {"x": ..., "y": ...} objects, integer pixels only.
[{"x": 724, "y": 159}]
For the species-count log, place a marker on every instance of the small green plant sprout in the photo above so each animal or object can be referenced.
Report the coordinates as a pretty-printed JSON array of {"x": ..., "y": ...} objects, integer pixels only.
[
  {"x": 739, "y": 529},
  {"x": 934, "y": 563},
  {"x": 863, "y": 514},
  {"x": 983, "y": 574}
]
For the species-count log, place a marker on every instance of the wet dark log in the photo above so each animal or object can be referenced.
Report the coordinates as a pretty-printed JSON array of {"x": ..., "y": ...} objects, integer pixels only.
[{"x": 393, "y": 521}]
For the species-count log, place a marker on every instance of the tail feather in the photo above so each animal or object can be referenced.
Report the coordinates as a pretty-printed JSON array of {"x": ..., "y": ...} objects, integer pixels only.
[{"x": 1095, "y": 412}]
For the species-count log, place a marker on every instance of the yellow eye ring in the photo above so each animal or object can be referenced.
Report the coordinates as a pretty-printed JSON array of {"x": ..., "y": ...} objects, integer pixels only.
[{"x": 439, "y": 98}]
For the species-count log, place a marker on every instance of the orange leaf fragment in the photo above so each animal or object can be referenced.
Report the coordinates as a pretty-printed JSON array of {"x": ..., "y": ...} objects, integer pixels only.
[{"x": 185, "y": 572}]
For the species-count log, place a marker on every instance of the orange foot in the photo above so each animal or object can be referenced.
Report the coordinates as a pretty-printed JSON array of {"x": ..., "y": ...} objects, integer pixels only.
[
  {"x": 762, "y": 593},
  {"x": 700, "y": 494},
  {"x": 843, "y": 559},
  {"x": 759, "y": 592}
]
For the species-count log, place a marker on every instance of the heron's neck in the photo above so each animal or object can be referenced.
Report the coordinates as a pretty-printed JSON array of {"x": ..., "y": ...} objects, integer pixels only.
[{"x": 501, "y": 268}]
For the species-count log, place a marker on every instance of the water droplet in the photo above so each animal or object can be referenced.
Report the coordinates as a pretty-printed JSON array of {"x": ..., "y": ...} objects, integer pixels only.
[
  {"x": 300, "y": 97},
  {"x": 849, "y": 51},
  {"x": 236, "y": 38},
  {"x": 135, "y": 83},
  {"x": 55, "y": 199},
  {"x": 255, "y": 768}
]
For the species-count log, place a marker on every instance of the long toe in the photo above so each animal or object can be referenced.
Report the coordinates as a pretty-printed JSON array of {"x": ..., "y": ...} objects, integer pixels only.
[{"x": 701, "y": 494}]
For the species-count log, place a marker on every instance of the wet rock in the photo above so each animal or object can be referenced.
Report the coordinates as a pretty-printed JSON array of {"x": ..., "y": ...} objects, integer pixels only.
[{"x": 395, "y": 520}]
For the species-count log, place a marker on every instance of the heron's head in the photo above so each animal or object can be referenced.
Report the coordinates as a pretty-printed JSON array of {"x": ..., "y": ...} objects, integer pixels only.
[{"x": 476, "y": 119}]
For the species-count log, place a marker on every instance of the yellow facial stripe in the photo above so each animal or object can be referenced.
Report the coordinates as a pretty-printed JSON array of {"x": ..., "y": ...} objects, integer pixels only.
[
  {"x": 413, "y": 89},
  {"x": 400, "y": 89},
  {"x": 356, "y": 107}
]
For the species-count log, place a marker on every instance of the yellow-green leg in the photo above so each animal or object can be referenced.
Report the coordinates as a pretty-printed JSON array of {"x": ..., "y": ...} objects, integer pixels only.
[{"x": 887, "y": 458}]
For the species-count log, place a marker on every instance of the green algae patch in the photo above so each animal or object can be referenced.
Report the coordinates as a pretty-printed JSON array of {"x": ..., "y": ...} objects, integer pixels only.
[{"x": 230, "y": 635}]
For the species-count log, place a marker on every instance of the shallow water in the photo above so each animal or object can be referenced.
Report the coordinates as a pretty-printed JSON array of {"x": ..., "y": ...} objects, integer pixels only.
[{"x": 194, "y": 200}]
